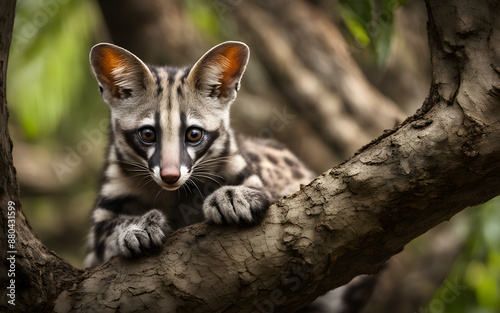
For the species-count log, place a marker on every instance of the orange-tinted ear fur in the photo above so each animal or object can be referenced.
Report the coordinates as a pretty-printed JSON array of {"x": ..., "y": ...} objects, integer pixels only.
[
  {"x": 118, "y": 70},
  {"x": 219, "y": 71}
]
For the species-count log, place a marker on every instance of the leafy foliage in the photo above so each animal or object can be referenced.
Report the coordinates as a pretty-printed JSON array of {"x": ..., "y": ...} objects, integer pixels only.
[
  {"x": 48, "y": 63},
  {"x": 51, "y": 98},
  {"x": 371, "y": 23},
  {"x": 476, "y": 272}
]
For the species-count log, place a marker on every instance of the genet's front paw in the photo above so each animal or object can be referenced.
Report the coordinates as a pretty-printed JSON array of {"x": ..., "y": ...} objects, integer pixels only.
[
  {"x": 143, "y": 234},
  {"x": 235, "y": 204}
]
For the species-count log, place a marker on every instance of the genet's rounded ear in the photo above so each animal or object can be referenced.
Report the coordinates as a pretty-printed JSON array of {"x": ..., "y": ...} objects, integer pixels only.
[
  {"x": 119, "y": 72},
  {"x": 219, "y": 71}
]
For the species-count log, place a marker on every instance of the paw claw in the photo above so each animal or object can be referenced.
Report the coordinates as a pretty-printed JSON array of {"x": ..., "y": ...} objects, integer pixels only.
[
  {"x": 235, "y": 205},
  {"x": 142, "y": 235}
]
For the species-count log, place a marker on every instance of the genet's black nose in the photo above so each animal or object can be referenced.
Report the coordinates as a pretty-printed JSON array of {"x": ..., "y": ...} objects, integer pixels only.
[{"x": 170, "y": 174}]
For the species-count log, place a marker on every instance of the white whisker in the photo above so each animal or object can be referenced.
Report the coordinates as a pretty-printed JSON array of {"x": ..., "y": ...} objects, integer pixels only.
[
  {"x": 185, "y": 189},
  {"x": 154, "y": 200},
  {"x": 136, "y": 164},
  {"x": 209, "y": 174},
  {"x": 196, "y": 186},
  {"x": 208, "y": 177},
  {"x": 145, "y": 183}
]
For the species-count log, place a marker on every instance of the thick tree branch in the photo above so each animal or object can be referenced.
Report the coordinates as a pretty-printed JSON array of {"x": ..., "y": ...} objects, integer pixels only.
[
  {"x": 38, "y": 271},
  {"x": 346, "y": 222},
  {"x": 352, "y": 218}
]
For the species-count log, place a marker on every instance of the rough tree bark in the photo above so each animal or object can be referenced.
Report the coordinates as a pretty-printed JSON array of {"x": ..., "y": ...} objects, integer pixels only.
[
  {"x": 40, "y": 274},
  {"x": 346, "y": 222}
]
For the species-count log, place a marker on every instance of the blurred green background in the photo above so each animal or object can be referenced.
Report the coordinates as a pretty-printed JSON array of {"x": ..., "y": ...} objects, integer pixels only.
[{"x": 58, "y": 124}]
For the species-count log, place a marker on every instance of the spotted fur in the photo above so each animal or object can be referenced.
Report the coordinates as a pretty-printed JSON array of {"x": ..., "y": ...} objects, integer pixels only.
[{"x": 173, "y": 159}]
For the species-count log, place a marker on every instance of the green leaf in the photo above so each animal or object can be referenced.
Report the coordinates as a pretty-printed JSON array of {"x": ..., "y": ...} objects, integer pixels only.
[
  {"x": 48, "y": 63},
  {"x": 355, "y": 26},
  {"x": 371, "y": 23}
]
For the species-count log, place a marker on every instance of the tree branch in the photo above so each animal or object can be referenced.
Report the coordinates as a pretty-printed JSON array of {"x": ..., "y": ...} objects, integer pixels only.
[
  {"x": 346, "y": 222},
  {"x": 39, "y": 274},
  {"x": 352, "y": 218}
]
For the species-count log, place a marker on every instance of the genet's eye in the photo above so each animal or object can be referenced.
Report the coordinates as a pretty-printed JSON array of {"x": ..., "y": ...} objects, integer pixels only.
[
  {"x": 194, "y": 135},
  {"x": 147, "y": 134}
]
